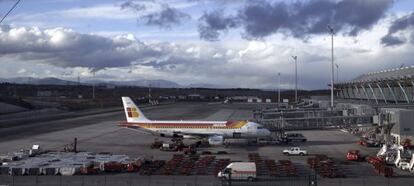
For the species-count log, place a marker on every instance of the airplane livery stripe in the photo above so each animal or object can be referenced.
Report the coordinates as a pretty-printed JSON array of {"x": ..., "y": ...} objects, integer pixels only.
[{"x": 228, "y": 125}]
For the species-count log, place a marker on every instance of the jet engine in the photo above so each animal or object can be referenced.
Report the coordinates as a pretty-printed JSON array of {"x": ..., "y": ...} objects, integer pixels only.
[
  {"x": 171, "y": 135},
  {"x": 176, "y": 135},
  {"x": 216, "y": 140}
]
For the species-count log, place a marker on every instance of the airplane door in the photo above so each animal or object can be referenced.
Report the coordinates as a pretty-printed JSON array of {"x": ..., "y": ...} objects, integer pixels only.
[{"x": 252, "y": 130}]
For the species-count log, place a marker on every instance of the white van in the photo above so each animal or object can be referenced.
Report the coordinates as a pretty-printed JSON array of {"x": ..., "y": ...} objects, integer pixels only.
[{"x": 239, "y": 171}]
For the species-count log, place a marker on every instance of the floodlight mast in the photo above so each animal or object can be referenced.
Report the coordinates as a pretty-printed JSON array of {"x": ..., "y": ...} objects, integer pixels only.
[
  {"x": 296, "y": 77},
  {"x": 337, "y": 73},
  {"x": 278, "y": 91},
  {"x": 331, "y": 31}
]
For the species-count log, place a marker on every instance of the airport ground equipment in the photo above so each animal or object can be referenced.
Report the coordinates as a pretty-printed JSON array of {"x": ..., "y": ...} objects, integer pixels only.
[
  {"x": 268, "y": 141},
  {"x": 406, "y": 164},
  {"x": 295, "y": 151},
  {"x": 325, "y": 166},
  {"x": 156, "y": 144},
  {"x": 380, "y": 166},
  {"x": 410, "y": 165},
  {"x": 368, "y": 142},
  {"x": 406, "y": 143},
  {"x": 354, "y": 155},
  {"x": 71, "y": 147},
  {"x": 169, "y": 147},
  {"x": 294, "y": 137},
  {"x": 388, "y": 153},
  {"x": 189, "y": 150},
  {"x": 68, "y": 163},
  {"x": 239, "y": 171},
  {"x": 403, "y": 158}
]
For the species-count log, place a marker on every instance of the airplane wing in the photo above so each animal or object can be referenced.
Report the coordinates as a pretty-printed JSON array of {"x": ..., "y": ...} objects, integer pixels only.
[
  {"x": 135, "y": 128},
  {"x": 212, "y": 137},
  {"x": 201, "y": 135}
]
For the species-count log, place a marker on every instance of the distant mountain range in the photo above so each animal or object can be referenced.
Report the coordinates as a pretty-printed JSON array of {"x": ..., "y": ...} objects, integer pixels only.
[
  {"x": 159, "y": 83},
  {"x": 38, "y": 81}
]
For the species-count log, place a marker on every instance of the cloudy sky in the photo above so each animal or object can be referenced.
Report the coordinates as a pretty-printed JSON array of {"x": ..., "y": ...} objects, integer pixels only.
[{"x": 232, "y": 43}]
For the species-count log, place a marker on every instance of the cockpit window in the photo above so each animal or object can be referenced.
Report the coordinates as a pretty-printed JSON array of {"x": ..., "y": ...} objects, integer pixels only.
[{"x": 259, "y": 127}]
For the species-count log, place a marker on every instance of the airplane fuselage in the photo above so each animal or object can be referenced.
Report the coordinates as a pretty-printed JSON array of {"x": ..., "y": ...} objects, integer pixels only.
[
  {"x": 227, "y": 129},
  {"x": 214, "y": 131}
]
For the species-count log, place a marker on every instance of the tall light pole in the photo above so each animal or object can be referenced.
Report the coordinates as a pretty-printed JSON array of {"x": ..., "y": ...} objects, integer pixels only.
[
  {"x": 331, "y": 31},
  {"x": 296, "y": 77},
  {"x": 337, "y": 73},
  {"x": 93, "y": 86},
  {"x": 278, "y": 89}
]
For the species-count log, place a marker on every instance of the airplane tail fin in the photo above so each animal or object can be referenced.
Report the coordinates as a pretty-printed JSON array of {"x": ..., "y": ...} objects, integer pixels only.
[{"x": 132, "y": 112}]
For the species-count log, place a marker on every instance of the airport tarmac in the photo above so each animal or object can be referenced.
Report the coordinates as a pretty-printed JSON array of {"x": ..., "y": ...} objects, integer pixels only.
[{"x": 100, "y": 133}]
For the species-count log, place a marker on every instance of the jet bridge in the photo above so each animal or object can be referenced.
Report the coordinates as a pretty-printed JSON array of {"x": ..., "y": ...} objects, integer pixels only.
[{"x": 310, "y": 119}]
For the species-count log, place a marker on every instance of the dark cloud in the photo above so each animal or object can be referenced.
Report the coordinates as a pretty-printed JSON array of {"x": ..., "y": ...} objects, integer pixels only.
[
  {"x": 170, "y": 63},
  {"x": 304, "y": 18},
  {"x": 390, "y": 40},
  {"x": 211, "y": 23},
  {"x": 397, "y": 25},
  {"x": 166, "y": 18},
  {"x": 261, "y": 18},
  {"x": 133, "y": 5}
]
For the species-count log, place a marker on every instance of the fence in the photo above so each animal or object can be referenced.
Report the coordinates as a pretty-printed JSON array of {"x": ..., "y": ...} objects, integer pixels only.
[
  {"x": 137, "y": 180},
  {"x": 274, "y": 181}
]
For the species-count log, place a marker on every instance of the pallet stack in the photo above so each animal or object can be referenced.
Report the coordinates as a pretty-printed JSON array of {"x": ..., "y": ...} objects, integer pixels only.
[
  {"x": 380, "y": 166},
  {"x": 203, "y": 164},
  {"x": 172, "y": 164},
  {"x": 325, "y": 167},
  {"x": 271, "y": 167},
  {"x": 288, "y": 167}
]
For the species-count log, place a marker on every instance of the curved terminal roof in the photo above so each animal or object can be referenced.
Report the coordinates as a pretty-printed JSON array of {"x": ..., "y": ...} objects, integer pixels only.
[{"x": 392, "y": 74}]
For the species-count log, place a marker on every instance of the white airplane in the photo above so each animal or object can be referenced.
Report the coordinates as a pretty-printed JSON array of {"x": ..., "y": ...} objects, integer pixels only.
[{"x": 215, "y": 131}]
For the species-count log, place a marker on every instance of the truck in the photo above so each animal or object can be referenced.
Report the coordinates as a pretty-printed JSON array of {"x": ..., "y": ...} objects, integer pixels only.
[
  {"x": 295, "y": 151},
  {"x": 239, "y": 171},
  {"x": 270, "y": 141},
  {"x": 294, "y": 137}
]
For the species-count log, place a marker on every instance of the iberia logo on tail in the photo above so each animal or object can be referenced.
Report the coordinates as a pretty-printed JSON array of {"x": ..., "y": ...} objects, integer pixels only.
[{"x": 132, "y": 112}]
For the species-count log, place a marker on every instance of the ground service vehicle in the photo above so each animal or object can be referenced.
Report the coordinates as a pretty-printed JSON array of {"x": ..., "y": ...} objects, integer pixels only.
[
  {"x": 295, "y": 151},
  {"x": 353, "y": 155},
  {"x": 294, "y": 137},
  {"x": 169, "y": 147},
  {"x": 239, "y": 171}
]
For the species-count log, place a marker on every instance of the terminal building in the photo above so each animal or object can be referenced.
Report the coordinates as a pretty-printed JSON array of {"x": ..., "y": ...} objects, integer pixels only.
[
  {"x": 393, "y": 86},
  {"x": 390, "y": 92},
  {"x": 382, "y": 100}
]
